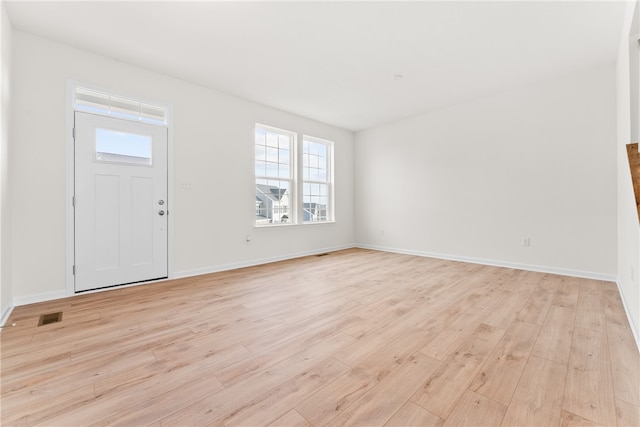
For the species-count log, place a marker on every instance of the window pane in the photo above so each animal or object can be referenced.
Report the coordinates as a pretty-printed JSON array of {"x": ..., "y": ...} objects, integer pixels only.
[
  {"x": 313, "y": 174},
  {"x": 272, "y": 154},
  {"x": 313, "y": 148},
  {"x": 284, "y": 171},
  {"x": 272, "y": 201},
  {"x": 261, "y": 152},
  {"x": 272, "y": 139},
  {"x": 283, "y": 155},
  {"x": 122, "y": 147},
  {"x": 322, "y": 150},
  {"x": 284, "y": 142},
  {"x": 272, "y": 170},
  {"x": 261, "y": 168}
]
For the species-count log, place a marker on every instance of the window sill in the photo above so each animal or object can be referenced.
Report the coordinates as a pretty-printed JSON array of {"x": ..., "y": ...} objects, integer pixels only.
[{"x": 304, "y": 224}]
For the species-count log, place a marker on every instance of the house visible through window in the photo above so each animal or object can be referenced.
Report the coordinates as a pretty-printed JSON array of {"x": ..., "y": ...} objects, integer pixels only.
[{"x": 288, "y": 192}]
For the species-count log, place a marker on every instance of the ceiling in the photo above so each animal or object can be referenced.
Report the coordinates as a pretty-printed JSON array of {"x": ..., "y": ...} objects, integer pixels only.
[{"x": 335, "y": 62}]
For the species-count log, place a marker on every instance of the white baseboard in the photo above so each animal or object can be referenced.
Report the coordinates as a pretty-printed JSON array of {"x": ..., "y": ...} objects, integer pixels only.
[
  {"x": 35, "y": 298},
  {"x": 254, "y": 262},
  {"x": 53, "y": 295},
  {"x": 48, "y": 296},
  {"x": 496, "y": 263},
  {"x": 5, "y": 315},
  {"x": 634, "y": 327}
]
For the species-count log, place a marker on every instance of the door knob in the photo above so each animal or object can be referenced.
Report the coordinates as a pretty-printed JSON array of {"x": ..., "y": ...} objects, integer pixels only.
[
  {"x": 161, "y": 202},
  {"x": 160, "y": 213}
]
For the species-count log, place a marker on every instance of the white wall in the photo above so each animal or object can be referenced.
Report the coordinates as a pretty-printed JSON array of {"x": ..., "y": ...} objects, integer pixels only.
[
  {"x": 628, "y": 230},
  {"x": 213, "y": 150},
  {"x": 470, "y": 181},
  {"x": 6, "y": 296}
]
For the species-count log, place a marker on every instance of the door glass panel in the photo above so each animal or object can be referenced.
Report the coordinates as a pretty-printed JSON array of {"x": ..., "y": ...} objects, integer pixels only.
[{"x": 122, "y": 147}]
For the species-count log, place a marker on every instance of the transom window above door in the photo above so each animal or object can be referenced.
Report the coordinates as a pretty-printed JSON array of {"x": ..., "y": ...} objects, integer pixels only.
[{"x": 103, "y": 103}]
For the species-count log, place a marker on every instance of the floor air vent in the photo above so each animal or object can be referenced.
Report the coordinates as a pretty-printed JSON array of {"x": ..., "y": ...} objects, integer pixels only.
[{"x": 45, "y": 319}]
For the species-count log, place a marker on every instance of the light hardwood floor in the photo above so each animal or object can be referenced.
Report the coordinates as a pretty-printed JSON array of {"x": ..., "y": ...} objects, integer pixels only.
[{"x": 355, "y": 337}]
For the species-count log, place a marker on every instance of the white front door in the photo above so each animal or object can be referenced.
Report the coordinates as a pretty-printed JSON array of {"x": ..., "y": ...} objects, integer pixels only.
[{"x": 120, "y": 201}]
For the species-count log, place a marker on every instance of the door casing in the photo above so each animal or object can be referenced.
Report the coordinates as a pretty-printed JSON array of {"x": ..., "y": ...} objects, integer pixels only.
[{"x": 69, "y": 289}]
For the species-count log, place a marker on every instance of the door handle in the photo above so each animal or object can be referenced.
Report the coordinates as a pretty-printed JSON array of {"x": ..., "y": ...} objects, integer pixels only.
[{"x": 160, "y": 213}]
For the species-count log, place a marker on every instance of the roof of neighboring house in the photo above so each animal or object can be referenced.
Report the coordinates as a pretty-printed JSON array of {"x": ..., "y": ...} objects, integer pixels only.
[{"x": 269, "y": 191}]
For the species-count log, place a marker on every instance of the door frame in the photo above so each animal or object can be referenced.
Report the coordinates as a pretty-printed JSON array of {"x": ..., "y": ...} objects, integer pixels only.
[{"x": 70, "y": 186}]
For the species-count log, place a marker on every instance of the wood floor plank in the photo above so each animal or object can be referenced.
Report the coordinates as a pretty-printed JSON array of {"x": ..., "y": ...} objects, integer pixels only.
[
  {"x": 247, "y": 367},
  {"x": 572, "y": 420},
  {"x": 411, "y": 414},
  {"x": 290, "y": 419},
  {"x": 554, "y": 341},
  {"x": 379, "y": 338},
  {"x": 55, "y": 405},
  {"x": 234, "y": 397},
  {"x": 379, "y": 404},
  {"x": 355, "y": 337},
  {"x": 35, "y": 390},
  {"x": 589, "y": 388},
  {"x": 535, "y": 309},
  {"x": 443, "y": 345},
  {"x": 537, "y": 400},
  {"x": 336, "y": 397},
  {"x": 625, "y": 366},
  {"x": 590, "y": 309},
  {"x": 443, "y": 389},
  {"x": 475, "y": 410},
  {"x": 144, "y": 401},
  {"x": 499, "y": 376},
  {"x": 627, "y": 414},
  {"x": 505, "y": 313},
  {"x": 278, "y": 401},
  {"x": 567, "y": 293},
  {"x": 613, "y": 307}
]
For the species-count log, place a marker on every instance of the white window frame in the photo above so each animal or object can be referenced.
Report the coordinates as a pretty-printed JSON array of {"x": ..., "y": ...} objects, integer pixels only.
[
  {"x": 296, "y": 180},
  {"x": 292, "y": 178},
  {"x": 329, "y": 178}
]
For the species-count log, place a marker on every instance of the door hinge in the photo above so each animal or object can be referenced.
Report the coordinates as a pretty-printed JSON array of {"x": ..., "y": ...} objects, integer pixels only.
[
  {"x": 73, "y": 201},
  {"x": 73, "y": 131},
  {"x": 74, "y": 270}
]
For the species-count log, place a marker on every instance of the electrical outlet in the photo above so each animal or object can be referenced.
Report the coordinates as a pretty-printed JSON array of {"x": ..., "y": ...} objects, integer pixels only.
[
  {"x": 526, "y": 241},
  {"x": 381, "y": 231},
  {"x": 186, "y": 185}
]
